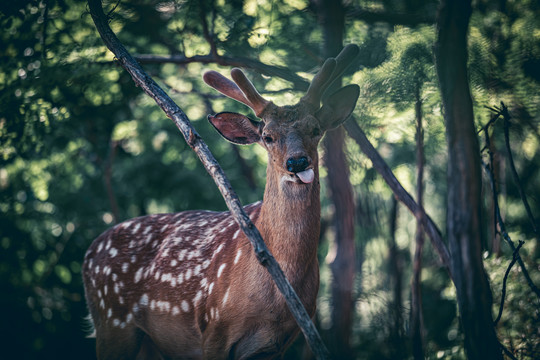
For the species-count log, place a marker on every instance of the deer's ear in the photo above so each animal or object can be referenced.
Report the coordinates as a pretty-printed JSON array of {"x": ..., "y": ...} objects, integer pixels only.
[
  {"x": 338, "y": 107},
  {"x": 236, "y": 128}
]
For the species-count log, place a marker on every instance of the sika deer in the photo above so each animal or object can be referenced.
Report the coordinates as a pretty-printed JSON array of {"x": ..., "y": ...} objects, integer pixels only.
[{"x": 188, "y": 285}]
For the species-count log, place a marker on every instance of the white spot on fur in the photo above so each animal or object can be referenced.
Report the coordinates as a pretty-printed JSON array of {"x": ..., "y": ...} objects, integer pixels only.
[
  {"x": 182, "y": 254},
  {"x": 135, "y": 307},
  {"x": 125, "y": 267},
  {"x": 147, "y": 230},
  {"x": 220, "y": 270},
  {"x": 108, "y": 246},
  {"x": 175, "y": 310},
  {"x": 116, "y": 289},
  {"x": 121, "y": 300},
  {"x": 133, "y": 259},
  {"x": 144, "y": 300},
  {"x": 236, "y": 234},
  {"x": 109, "y": 313},
  {"x": 188, "y": 274},
  {"x": 225, "y": 297},
  {"x": 116, "y": 322},
  {"x": 129, "y": 317},
  {"x": 206, "y": 264},
  {"x": 105, "y": 288},
  {"x": 210, "y": 287},
  {"x": 138, "y": 275},
  {"x": 180, "y": 278},
  {"x": 102, "y": 304},
  {"x": 173, "y": 263},
  {"x": 114, "y": 277},
  {"x": 136, "y": 228},
  {"x": 185, "y": 306},
  {"x": 204, "y": 283},
  {"x": 113, "y": 252},
  {"x": 99, "y": 294},
  {"x": 197, "y": 297},
  {"x": 237, "y": 256},
  {"x": 100, "y": 247}
]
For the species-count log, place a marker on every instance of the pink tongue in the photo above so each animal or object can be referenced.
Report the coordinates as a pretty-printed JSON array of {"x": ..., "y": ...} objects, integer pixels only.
[{"x": 306, "y": 176}]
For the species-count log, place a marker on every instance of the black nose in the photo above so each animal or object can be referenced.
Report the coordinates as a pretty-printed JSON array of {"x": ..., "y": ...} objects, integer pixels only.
[{"x": 297, "y": 164}]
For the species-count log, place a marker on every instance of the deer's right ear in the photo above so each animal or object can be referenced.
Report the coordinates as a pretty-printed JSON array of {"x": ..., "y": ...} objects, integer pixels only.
[{"x": 236, "y": 128}]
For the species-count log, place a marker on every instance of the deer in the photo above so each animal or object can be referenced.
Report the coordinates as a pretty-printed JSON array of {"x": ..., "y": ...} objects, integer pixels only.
[{"x": 187, "y": 285}]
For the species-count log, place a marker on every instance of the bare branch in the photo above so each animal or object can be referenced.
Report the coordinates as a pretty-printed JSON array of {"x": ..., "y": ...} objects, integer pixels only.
[
  {"x": 299, "y": 83},
  {"x": 356, "y": 133},
  {"x": 503, "y": 292},
  {"x": 506, "y": 116},
  {"x": 498, "y": 217},
  {"x": 212, "y": 166}
]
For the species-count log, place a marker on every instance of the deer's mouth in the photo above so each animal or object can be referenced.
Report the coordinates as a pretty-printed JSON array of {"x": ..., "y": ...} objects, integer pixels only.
[
  {"x": 301, "y": 178},
  {"x": 306, "y": 176}
]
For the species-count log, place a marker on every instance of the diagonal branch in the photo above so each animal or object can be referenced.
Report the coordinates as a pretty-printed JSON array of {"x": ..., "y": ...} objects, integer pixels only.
[
  {"x": 193, "y": 139},
  {"x": 356, "y": 133}
]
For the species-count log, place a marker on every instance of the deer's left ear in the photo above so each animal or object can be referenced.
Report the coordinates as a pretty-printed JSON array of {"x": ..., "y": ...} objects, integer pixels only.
[
  {"x": 338, "y": 107},
  {"x": 236, "y": 128}
]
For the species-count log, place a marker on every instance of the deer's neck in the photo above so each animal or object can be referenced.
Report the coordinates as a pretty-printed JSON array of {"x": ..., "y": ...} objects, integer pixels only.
[{"x": 290, "y": 221}]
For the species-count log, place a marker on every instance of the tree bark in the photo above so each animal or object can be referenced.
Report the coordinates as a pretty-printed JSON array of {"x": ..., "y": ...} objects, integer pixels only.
[
  {"x": 395, "y": 270},
  {"x": 331, "y": 15},
  {"x": 417, "y": 320},
  {"x": 464, "y": 183}
]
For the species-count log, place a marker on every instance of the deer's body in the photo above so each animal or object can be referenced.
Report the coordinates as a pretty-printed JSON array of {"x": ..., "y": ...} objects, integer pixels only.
[{"x": 188, "y": 285}]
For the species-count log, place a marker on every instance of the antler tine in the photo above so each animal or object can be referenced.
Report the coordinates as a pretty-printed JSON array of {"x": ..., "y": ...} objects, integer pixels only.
[
  {"x": 258, "y": 103},
  {"x": 317, "y": 86},
  {"x": 344, "y": 59},
  {"x": 226, "y": 87},
  {"x": 330, "y": 71}
]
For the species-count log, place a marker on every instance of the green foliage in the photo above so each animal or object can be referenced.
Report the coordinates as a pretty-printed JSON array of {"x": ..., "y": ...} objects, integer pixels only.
[{"x": 81, "y": 147}]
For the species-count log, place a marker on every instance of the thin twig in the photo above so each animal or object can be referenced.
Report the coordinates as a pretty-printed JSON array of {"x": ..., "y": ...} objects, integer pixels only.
[
  {"x": 506, "y": 116},
  {"x": 503, "y": 292},
  {"x": 193, "y": 139},
  {"x": 504, "y": 233},
  {"x": 508, "y": 352},
  {"x": 498, "y": 217}
]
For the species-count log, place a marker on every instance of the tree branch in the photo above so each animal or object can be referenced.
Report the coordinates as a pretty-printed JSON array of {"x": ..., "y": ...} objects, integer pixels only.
[
  {"x": 503, "y": 292},
  {"x": 212, "y": 166},
  {"x": 498, "y": 217},
  {"x": 356, "y": 133},
  {"x": 299, "y": 83},
  {"x": 506, "y": 116}
]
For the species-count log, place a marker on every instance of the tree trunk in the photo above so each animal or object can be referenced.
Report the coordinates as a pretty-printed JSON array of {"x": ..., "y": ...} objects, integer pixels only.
[
  {"x": 395, "y": 270},
  {"x": 464, "y": 183},
  {"x": 331, "y": 16},
  {"x": 417, "y": 320}
]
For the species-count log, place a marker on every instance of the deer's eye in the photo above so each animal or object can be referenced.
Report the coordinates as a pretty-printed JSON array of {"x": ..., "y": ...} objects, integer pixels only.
[
  {"x": 268, "y": 139},
  {"x": 316, "y": 132}
]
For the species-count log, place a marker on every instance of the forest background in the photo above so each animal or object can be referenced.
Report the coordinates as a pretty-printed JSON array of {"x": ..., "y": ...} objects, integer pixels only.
[{"x": 81, "y": 148}]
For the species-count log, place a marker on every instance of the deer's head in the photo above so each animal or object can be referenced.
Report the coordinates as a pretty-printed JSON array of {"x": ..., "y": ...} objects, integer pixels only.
[{"x": 290, "y": 134}]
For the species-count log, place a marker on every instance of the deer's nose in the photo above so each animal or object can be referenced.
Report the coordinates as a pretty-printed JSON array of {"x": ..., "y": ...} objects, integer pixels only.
[{"x": 297, "y": 164}]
